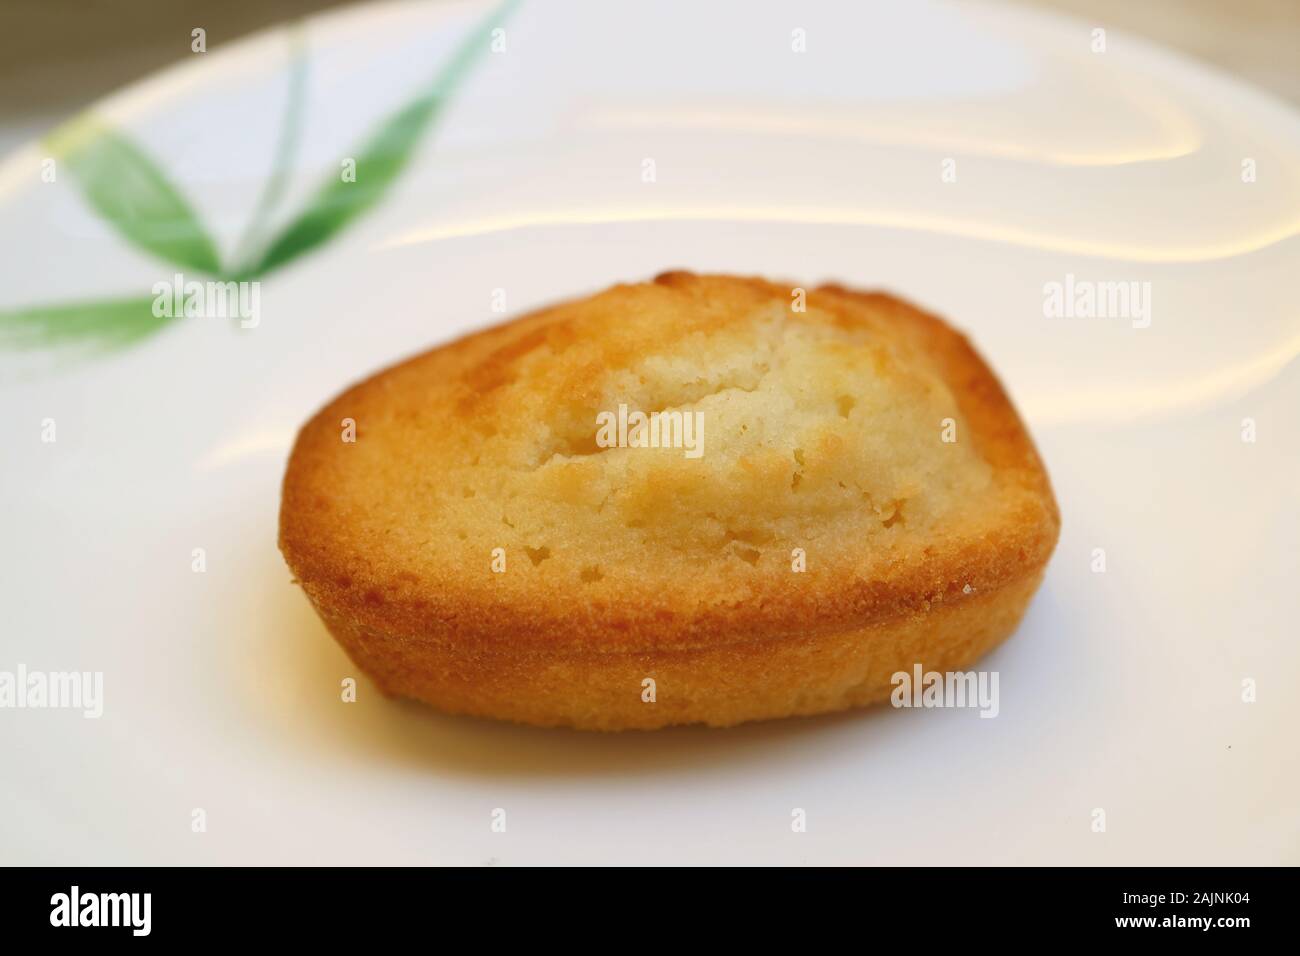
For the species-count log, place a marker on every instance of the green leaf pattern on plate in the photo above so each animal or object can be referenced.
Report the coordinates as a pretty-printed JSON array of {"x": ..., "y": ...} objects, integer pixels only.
[
  {"x": 90, "y": 326},
  {"x": 132, "y": 193}
]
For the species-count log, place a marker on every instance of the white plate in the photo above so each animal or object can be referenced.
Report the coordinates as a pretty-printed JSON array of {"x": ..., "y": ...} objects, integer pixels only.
[{"x": 1123, "y": 690}]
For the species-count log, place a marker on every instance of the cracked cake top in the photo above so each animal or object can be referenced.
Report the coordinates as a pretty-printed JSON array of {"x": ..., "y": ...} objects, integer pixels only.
[{"x": 849, "y": 428}]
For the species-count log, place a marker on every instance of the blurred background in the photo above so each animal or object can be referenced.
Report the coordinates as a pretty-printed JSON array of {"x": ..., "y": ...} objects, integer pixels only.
[{"x": 57, "y": 56}]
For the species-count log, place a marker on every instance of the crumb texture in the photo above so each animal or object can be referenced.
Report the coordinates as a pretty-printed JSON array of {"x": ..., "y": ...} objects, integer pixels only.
[{"x": 819, "y": 429}]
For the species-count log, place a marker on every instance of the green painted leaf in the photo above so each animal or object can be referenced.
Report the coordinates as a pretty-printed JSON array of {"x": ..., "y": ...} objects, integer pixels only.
[
  {"x": 380, "y": 159},
  {"x": 337, "y": 203},
  {"x": 130, "y": 192},
  {"x": 89, "y": 326},
  {"x": 250, "y": 246}
]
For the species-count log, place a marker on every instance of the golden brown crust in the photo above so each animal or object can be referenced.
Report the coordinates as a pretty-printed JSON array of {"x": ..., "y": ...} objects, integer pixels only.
[
  {"x": 804, "y": 674},
  {"x": 537, "y": 646}
]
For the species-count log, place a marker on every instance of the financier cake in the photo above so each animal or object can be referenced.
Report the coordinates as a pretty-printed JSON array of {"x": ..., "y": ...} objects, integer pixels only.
[{"x": 702, "y": 499}]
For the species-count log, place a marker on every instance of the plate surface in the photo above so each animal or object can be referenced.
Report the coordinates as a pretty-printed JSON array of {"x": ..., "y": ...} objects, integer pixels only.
[{"x": 967, "y": 157}]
